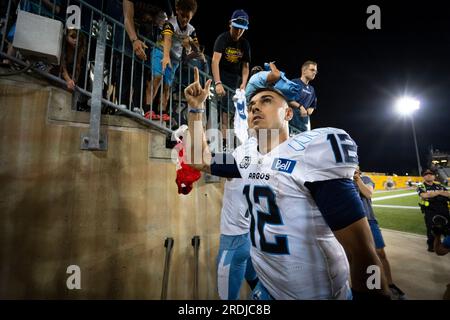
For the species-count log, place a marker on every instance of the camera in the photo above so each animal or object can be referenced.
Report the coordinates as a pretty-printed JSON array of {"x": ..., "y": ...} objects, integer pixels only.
[{"x": 440, "y": 225}]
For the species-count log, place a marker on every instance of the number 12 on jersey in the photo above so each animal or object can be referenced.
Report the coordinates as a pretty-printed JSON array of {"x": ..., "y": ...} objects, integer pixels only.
[
  {"x": 259, "y": 219},
  {"x": 347, "y": 145}
]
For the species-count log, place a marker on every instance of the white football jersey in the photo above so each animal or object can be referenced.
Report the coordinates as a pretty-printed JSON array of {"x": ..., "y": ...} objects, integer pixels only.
[
  {"x": 294, "y": 252},
  {"x": 235, "y": 218}
]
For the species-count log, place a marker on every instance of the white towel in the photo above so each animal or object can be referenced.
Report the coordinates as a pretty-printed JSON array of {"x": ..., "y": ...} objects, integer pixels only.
[{"x": 241, "y": 115}]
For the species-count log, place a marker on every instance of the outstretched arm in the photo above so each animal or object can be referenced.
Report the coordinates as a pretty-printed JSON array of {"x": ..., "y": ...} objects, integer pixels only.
[
  {"x": 198, "y": 154},
  {"x": 138, "y": 45},
  {"x": 197, "y": 149},
  {"x": 274, "y": 74},
  {"x": 245, "y": 73},
  {"x": 216, "y": 73}
]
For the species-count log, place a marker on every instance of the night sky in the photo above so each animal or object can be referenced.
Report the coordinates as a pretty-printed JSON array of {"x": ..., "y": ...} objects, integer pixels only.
[{"x": 361, "y": 71}]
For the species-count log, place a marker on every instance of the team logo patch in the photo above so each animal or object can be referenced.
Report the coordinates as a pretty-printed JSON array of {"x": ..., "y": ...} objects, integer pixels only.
[
  {"x": 245, "y": 163},
  {"x": 283, "y": 165},
  {"x": 241, "y": 110}
]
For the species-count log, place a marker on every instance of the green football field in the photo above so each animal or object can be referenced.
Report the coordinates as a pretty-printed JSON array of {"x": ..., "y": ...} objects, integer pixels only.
[{"x": 401, "y": 212}]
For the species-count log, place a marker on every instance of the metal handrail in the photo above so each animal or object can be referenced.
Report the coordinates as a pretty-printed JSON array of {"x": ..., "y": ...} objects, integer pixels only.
[
  {"x": 117, "y": 50},
  {"x": 89, "y": 94}
]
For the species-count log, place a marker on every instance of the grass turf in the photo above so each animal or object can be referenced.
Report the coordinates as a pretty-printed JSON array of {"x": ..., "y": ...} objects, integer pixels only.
[{"x": 406, "y": 220}]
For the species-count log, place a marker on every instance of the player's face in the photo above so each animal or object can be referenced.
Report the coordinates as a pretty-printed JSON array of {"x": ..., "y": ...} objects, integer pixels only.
[{"x": 267, "y": 110}]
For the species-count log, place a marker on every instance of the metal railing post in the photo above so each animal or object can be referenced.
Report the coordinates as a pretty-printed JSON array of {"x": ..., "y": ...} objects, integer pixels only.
[{"x": 93, "y": 141}]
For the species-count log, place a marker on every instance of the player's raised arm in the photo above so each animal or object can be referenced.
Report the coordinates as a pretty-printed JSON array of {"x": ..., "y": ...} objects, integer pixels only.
[{"x": 197, "y": 151}]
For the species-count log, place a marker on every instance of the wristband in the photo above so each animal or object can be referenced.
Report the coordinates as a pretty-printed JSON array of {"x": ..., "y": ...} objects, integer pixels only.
[
  {"x": 193, "y": 110},
  {"x": 132, "y": 41},
  {"x": 218, "y": 82}
]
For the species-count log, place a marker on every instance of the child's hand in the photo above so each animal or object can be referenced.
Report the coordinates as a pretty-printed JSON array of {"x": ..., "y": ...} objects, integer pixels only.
[
  {"x": 70, "y": 84},
  {"x": 220, "y": 90},
  {"x": 139, "y": 49},
  {"x": 186, "y": 43},
  {"x": 165, "y": 61}
]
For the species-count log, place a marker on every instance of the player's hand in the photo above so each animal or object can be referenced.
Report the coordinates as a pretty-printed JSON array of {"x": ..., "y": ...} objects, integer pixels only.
[
  {"x": 242, "y": 87},
  {"x": 195, "y": 94},
  {"x": 139, "y": 49},
  {"x": 220, "y": 90}
]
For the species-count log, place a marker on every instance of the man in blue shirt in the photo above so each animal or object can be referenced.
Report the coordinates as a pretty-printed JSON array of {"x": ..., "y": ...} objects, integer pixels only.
[{"x": 306, "y": 101}]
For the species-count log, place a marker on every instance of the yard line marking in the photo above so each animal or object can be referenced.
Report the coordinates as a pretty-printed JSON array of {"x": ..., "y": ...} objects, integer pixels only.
[
  {"x": 394, "y": 207},
  {"x": 394, "y": 196},
  {"x": 393, "y": 190}
]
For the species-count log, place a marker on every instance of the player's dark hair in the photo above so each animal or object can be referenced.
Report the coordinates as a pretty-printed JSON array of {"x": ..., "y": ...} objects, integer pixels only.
[{"x": 272, "y": 89}]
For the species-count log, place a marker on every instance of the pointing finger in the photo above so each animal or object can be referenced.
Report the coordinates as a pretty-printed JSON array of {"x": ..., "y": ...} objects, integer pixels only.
[{"x": 196, "y": 76}]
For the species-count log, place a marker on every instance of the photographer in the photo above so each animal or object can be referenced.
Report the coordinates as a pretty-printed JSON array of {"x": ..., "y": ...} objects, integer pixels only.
[
  {"x": 433, "y": 201},
  {"x": 441, "y": 248},
  {"x": 441, "y": 227}
]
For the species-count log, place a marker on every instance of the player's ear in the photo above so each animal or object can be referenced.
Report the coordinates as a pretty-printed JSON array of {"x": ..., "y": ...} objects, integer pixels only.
[{"x": 289, "y": 114}]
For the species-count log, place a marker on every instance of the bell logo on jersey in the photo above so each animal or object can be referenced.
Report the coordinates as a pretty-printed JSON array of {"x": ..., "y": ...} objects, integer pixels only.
[{"x": 283, "y": 165}]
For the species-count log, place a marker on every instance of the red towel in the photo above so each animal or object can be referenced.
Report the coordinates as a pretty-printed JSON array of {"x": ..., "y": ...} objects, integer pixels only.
[{"x": 186, "y": 175}]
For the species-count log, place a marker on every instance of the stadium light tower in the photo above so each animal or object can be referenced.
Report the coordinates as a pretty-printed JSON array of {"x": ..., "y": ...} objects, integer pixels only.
[{"x": 406, "y": 107}]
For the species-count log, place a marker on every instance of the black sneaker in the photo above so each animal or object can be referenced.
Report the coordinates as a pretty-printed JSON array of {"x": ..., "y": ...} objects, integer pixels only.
[
  {"x": 396, "y": 293},
  {"x": 430, "y": 249}
]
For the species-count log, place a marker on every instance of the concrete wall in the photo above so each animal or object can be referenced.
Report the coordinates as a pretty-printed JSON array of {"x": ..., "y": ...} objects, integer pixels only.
[{"x": 107, "y": 212}]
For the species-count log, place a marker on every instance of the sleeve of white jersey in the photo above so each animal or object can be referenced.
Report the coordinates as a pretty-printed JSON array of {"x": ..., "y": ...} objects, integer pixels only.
[{"x": 331, "y": 155}]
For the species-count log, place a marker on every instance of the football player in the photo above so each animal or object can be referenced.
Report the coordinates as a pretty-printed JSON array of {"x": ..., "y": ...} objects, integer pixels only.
[{"x": 308, "y": 228}]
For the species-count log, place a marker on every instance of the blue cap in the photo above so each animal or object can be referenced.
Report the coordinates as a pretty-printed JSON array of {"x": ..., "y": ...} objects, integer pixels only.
[{"x": 239, "y": 19}]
